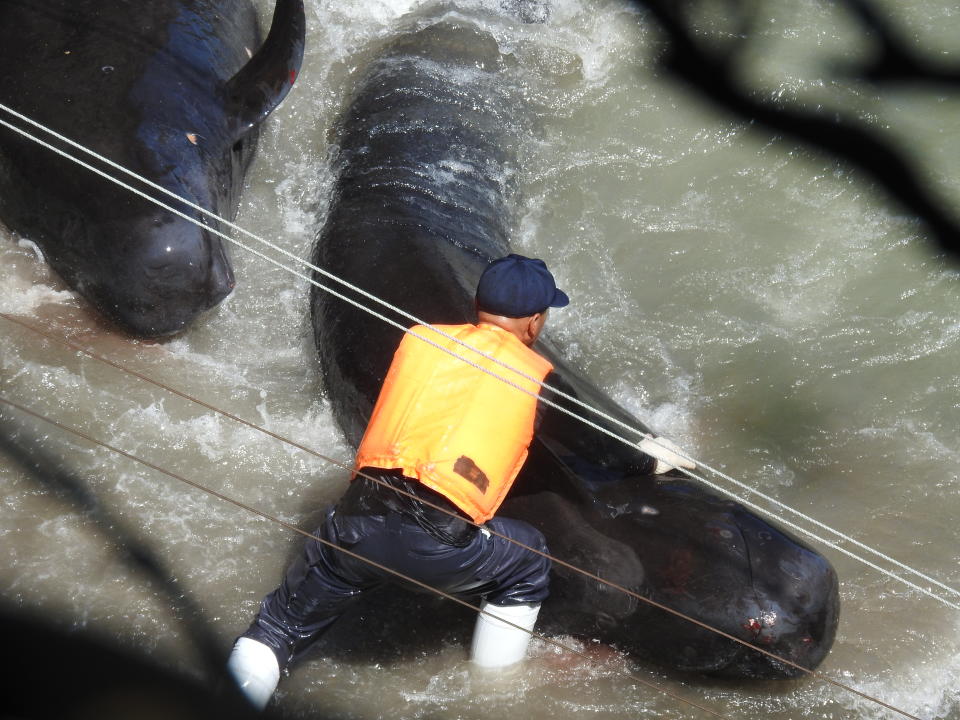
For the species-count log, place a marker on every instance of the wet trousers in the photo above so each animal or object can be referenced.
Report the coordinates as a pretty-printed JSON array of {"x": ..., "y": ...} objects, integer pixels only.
[{"x": 322, "y": 582}]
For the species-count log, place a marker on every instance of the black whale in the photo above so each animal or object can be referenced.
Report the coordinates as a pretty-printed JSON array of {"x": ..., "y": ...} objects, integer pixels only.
[
  {"x": 173, "y": 90},
  {"x": 422, "y": 203}
]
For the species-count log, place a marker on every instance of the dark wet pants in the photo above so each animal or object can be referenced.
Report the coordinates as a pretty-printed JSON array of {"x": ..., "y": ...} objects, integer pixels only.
[{"x": 320, "y": 585}]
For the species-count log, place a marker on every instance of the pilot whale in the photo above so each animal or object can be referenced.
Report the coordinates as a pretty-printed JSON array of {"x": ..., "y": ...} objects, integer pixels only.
[
  {"x": 424, "y": 199},
  {"x": 173, "y": 90}
]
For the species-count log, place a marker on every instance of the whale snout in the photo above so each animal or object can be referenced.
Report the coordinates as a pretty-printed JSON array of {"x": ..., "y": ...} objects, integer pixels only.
[
  {"x": 173, "y": 272},
  {"x": 795, "y": 602}
]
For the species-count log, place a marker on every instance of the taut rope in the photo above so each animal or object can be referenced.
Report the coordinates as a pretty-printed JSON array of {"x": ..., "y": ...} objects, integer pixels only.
[
  {"x": 278, "y": 521},
  {"x": 632, "y": 443}
]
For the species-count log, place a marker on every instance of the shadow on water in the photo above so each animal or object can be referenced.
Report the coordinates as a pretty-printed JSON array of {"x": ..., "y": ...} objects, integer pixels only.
[{"x": 76, "y": 675}]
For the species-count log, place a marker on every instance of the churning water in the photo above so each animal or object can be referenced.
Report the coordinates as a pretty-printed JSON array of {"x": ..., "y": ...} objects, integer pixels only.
[{"x": 759, "y": 303}]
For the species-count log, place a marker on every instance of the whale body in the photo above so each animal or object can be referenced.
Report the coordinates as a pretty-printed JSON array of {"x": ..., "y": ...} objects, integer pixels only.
[
  {"x": 172, "y": 90},
  {"x": 423, "y": 201}
]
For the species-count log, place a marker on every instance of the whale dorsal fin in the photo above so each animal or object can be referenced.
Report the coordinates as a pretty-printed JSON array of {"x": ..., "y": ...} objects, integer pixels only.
[{"x": 261, "y": 84}]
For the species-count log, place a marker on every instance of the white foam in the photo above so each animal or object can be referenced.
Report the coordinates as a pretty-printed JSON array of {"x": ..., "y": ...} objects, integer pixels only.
[
  {"x": 26, "y": 298},
  {"x": 28, "y": 282},
  {"x": 32, "y": 247}
]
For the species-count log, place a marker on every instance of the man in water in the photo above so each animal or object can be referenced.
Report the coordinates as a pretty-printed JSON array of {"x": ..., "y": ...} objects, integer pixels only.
[{"x": 443, "y": 446}]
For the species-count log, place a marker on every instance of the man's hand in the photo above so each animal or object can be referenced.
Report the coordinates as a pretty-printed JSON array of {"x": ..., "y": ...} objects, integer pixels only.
[{"x": 666, "y": 453}]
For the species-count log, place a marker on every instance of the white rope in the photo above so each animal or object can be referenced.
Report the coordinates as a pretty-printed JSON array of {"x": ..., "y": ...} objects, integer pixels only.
[
  {"x": 282, "y": 251},
  {"x": 836, "y": 547},
  {"x": 370, "y": 296},
  {"x": 440, "y": 593},
  {"x": 813, "y": 521}
]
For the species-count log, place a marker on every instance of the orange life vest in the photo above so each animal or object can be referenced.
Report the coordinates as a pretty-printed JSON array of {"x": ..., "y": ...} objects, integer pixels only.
[{"x": 456, "y": 429}]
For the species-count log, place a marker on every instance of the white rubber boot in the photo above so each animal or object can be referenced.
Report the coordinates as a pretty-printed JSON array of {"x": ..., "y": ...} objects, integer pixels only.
[
  {"x": 255, "y": 669},
  {"x": 497, "y": 645}
]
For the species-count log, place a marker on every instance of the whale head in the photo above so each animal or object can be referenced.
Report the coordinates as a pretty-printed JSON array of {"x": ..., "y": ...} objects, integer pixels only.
[
  {"x": 177, "y": 106},
  {"x": 709, "y": 559},
  {"x": 795, "y": 601},
  {"x": 679, "y": 564},
  {"x": 160, "y": 273}
]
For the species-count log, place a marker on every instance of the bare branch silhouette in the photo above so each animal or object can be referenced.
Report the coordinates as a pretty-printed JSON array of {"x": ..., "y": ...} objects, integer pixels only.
[
  {"x": 693, "y": 58},
  {"x": 896, "y": 62}
]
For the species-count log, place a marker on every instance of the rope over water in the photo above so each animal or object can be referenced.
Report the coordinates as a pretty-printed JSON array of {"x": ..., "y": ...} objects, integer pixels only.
[
  {"x": 359, "y": 305},
  {"x": 632, "y": 443},
  {"x": 311, "y": 536},
  {"x": 445, "y": 595}
]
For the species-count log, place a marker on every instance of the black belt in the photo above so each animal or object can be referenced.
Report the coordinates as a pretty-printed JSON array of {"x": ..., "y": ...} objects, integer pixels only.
[{"x": 445, "y": 522}]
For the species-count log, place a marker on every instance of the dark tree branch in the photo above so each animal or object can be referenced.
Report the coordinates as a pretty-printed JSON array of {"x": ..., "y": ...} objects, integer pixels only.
[
  {"x": 688, "y": 58},
  {"x": 49, "y": 473},
  {"x": 896, "y": 61}
]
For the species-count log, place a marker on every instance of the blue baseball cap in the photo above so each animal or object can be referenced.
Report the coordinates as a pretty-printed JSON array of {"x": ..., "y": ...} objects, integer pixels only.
[{"x": 517, "y": 286}]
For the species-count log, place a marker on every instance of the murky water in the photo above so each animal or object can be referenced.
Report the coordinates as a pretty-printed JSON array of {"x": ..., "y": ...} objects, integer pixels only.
[{"x": 757, "y": 302}]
